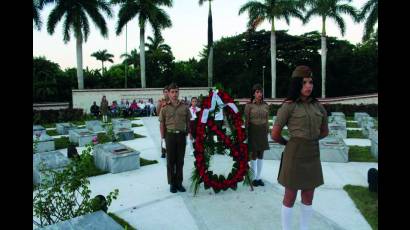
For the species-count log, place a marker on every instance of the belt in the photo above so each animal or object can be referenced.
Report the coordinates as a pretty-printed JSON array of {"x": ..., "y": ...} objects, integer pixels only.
[{"x": 174, "y": 131}]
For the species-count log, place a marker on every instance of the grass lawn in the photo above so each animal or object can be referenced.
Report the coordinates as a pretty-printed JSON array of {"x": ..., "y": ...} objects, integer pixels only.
[
  {"x": 144, "y": 162},
  {"x": 61, "y": 143},
  {"x": 360, "y": 154},
  {"x": 352, "y": 125},
  {"x": 136, "y": 135},
  {"x": 136, "y": 125},
  {"x": 121, "y": 221},
  {"x": 52, "y": 132},
  {"x": 355, "y": 134},
  {"x": 366, "y": 202},
  {"x": 350, "y": 118}
]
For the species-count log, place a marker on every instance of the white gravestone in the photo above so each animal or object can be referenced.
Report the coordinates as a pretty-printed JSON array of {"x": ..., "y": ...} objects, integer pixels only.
[
  {"x": 124, "y": 134},
  {"x": 62, "y": 128},
  {"x": 38, "y": 129},
  {"x": 374, "y": 139},
  {"x": 94, "y": 126},
  {"x": 116, "y": 157},
  {"x": 121, "y": 123},
  {"x": 333, "y": 149},
  {"x": 92, "y": 221},
  {"x": 49, "y": 160},
  {"x": 43, "y": 143},
  {"x": 337, "y": 130},
  {"x": 81, "y": 137}
]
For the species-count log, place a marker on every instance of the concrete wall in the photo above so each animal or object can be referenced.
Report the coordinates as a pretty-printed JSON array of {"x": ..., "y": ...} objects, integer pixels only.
[
  {"x": 83, "y": 99},
  {"x": 365, "y": 99}
]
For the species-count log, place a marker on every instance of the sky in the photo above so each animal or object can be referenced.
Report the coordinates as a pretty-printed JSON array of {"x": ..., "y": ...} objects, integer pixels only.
[{"x": 187, "y": 36}]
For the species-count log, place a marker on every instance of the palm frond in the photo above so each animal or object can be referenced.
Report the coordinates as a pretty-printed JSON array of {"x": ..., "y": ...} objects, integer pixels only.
[
  {"x": 369, "y": 25},
  {"x": 339, "y": 21},
  {"x": 55, "y": 16}
]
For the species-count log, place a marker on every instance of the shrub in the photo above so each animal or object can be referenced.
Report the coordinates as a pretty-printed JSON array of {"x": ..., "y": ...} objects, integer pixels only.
[{"x": 65, "y": 194}]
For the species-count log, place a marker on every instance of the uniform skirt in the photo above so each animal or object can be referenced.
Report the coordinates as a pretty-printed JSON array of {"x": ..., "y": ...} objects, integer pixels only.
[
  {"x": 300, "y": 166},
  {"x": 257, "y": 138}
]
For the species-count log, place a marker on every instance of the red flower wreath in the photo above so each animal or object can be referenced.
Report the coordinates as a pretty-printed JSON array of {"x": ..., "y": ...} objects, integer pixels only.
[{"x": 238, "y": 149}]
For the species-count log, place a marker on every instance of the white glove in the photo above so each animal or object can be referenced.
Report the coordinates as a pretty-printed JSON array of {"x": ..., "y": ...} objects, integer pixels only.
[{"x": 163, "y": 143}]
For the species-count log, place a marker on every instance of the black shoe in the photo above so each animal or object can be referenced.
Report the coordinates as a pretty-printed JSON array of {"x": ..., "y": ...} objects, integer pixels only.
[
  {"x": 163, "y": 155},
  {"x": 181, "y": 188},
  {"x": 255, "y": 183},
  {"x": 173, "y": 189},
  {"x": 260, "y": 182}
]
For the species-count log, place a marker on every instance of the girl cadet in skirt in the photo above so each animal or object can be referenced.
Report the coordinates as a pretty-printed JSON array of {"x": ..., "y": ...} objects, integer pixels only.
[
  {"x": 256, "y": 122},
  {"x": 300, "y": 167}
]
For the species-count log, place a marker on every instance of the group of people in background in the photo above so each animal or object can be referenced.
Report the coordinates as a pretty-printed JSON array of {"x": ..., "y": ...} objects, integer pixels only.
[{"x": 124, "y": 108}]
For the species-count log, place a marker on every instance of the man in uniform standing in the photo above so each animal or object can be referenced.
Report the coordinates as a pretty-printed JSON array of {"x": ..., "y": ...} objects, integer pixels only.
[
  {"x": 174, "y": 125},
  {"x": 161, "y": 103}
]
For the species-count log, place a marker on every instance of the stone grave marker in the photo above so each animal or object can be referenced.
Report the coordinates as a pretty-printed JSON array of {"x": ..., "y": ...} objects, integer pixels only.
[
  {"x": 62, "y": 128},
  {"x": 38, "y": 129},
  {"x": 44, "y": 143},
  {"x": 116, "y": 157},
  {"x": 50, "y": 160},
  {"x": 118, "y": 123},
  {"x": 337, "y": 130},
  {"x": 92, "y": 221},
  {"x": 94, "y": 126},
  {"x": 333, "y": 149},
  {"x": 81, "y": 136}
]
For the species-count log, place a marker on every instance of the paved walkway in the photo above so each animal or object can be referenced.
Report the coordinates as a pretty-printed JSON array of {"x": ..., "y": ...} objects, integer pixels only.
[{"x": 146, "y": 203}]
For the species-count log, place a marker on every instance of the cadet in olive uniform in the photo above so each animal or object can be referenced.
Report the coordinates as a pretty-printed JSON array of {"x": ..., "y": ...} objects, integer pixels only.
[
  {"x": 174, "y": 124},
  {"x": 257, "y": 124},
  {"x": 161, "y": 103},
  {"x": 300, "y": 167}
]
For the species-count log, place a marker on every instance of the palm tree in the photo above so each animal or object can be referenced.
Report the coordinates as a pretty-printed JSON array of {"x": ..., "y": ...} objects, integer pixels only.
[
  {"x": 328, "y": 9},
  {"x": 271, "y": 10},
  {"x": 75, "y": 18},
  {"x": 133, "y": 58},
  {"x": 37, "y": 6},
  {"x": 103, "y": 56},
  {"x": 148, "y": 11},
  {"x": 156, "y": 45},
  {"x": 210, "y": 43},
  {"x": 371, "y": 8}
]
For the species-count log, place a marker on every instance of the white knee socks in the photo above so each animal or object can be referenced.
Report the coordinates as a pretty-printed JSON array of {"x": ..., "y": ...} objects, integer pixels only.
[
  {"x": 253, "y": 167},
  {"x": 305, "y": 214},
  {"x": 286, "y": 218},
  {"x": 259, "y": 169}
]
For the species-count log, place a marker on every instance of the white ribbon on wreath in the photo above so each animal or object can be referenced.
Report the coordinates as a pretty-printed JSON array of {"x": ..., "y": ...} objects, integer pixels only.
[{"x": 216, "y": 101}]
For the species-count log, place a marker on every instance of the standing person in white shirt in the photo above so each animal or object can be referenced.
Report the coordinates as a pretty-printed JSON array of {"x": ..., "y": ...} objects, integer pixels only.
[{"x": 193, "y": 109}]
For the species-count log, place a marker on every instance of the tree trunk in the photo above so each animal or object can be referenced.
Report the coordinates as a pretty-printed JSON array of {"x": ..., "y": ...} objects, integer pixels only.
[
  {"x": 210, "y": 47},
  {"x": 142, "y": 55},
  {"x": 80, "y": 77},
  {"x": 102, "y": 68},
  {"x": 273, "y": 58},
  {"x": 210, "y": 66},
  {"x": 323, "y": 56}
]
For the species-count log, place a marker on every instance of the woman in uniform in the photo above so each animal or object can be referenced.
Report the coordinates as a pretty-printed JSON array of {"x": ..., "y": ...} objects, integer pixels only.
[
  {"x": 256, "y": 122},
  {"x": 300, "y": 167},
  {"x": 104, "y": 108}
]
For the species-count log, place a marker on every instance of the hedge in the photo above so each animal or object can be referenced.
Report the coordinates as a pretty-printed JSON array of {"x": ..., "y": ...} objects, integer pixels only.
[{"x": 53, "y": 116}]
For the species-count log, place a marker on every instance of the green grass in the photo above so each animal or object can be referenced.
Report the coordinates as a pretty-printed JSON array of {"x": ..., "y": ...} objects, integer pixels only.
[
  {"x": 121, "y": 221},
  {"x": 366, "y": 202},
  {"x": 351, "y": 125},
  {"x": 103, "y": 138},
  {"x": 51, "y": 125},
  {"x": 144, "y": 162},
  {"x": 360, "y": 154},
  {"x": 61, "y": 143},
  {"x": 52, "y": 132},
  {"x": 355, "y": 134},
  {"x": 136, "y": 135},
  {"x": 136, "y": 125},
  {"x": 349, "y": 118}
]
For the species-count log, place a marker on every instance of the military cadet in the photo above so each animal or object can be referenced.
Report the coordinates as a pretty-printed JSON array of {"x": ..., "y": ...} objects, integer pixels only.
[
  {"x": 300, "y": 167},
  {"x": 174, "y": 124},
  {"x": 161, "y": 103},
  {"x": 257, "y": 125}
]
